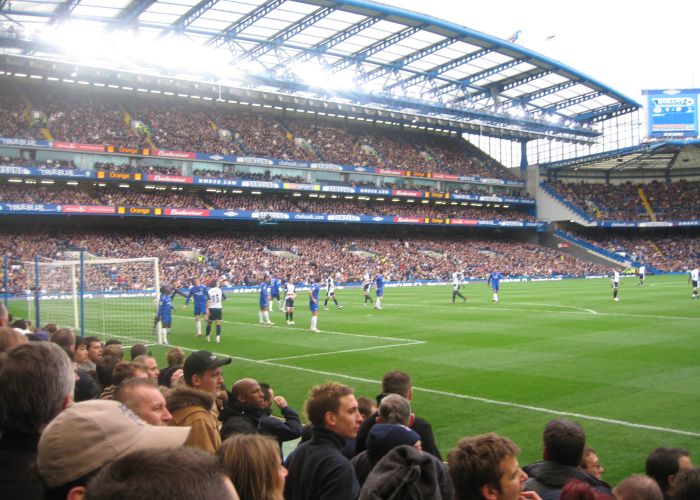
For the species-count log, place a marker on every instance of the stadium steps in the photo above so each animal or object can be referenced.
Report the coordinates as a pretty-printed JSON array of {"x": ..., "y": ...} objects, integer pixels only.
[
  {"x": 647, "y": 205},
  {"x": 551, "y": 206},
  {"x": 656, "y": 247},
  {"x": 588, "y": 250}
]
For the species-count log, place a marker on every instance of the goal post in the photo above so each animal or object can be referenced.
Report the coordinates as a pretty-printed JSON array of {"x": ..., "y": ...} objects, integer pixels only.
[{"x": 106, "y": 298}]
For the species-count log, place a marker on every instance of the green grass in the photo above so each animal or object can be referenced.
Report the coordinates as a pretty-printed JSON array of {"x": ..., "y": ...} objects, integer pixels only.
[{"x": 627, "y": 371}]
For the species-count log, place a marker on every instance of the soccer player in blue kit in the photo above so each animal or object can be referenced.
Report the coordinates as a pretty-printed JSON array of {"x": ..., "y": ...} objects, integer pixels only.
[
  {"x": 275, "y": 293},
  {"x": 165, "y": 307},
  {"x": 313, "y": 303},
  {"x": 198, "y": 292},
  {"x": 264, "y": 315},
  {"x": 493, "y": 281},
  {"x": 379, "y": 280}
]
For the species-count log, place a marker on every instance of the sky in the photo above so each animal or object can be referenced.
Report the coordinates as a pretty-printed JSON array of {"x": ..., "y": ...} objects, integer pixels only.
[{"x": 626, "y": 45}]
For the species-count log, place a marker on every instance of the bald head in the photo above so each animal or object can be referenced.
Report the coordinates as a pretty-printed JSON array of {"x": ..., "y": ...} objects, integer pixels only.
[{"x": 247, "y": 391}]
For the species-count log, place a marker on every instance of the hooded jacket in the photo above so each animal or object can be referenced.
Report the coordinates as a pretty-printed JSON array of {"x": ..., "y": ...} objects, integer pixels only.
[
  {"x": 408, "y": 474},
  {"x": 193, "y": 408}
]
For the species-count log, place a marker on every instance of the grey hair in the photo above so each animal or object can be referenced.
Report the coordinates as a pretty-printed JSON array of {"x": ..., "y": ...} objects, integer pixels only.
[
  {"x": 36, "y": 378},
  {"x": 394, "y": 409}
]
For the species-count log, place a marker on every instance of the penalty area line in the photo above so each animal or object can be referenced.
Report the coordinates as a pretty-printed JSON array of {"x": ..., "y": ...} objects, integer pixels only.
[
  {"x": 283, "y": 327},
  {"x": 466, "y": 397},
  {"x": 316, "y": 354}
]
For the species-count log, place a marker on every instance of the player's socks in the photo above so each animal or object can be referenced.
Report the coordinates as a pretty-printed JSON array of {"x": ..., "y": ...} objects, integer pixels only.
[
  {"x": 198, "y": 323},
  {"x": 218, "y": 339},
  {"x": 218, "y": 330},
  {"x": 208, "y": 330},
  {"x": 260, "y": 316},
  {"x": 314, "y": 322},
  {"x": 291, "y": 317}
]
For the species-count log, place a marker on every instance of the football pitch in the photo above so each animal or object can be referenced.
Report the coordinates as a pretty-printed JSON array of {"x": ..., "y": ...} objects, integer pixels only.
[{"x": 627, "y": 371}]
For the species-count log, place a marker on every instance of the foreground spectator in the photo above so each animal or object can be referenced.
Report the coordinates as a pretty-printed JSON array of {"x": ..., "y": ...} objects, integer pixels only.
[
  {"x": 37, "y": 383},
  {"x": 638, "y": 487},
  {"x": 663, "y": 464},
  {"x": 398, "y": 382},
  {"x": 383, "y": 438},
  {"x": 107, "y": 430},
  {"x": 175, "y": 359},
  {"x": 563, "y": 443},
  {"x": 177, "y": 474},
  {"x": 9, "y": 337},
  {"x": 317, "y": 468},
  {"x": 246, "y": 412},
  {"x": 194, "y": 405},
  {"x": 143, "y": 397},
  {"x": 94, "y": 353},
  {"x": 687, "y": 485},
  {"x": 253, "y": 463},
  {"x": 408, "y": 473},
  {"x": 590, "y": 463},
  {"x": 576, "y": 490},
  {"x": 486, "y": 467}
]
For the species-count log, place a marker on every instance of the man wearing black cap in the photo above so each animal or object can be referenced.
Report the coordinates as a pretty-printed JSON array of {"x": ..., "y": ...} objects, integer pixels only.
[{"x": 194, "y": 404}]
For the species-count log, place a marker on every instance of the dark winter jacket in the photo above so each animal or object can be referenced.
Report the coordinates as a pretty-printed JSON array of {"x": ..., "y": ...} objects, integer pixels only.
[
  {"x": 319, "y": 471},
  {"x": 548, "y": 478}
]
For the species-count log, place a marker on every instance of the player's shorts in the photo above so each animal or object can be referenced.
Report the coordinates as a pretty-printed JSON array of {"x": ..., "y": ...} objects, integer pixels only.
[
  {"x": 695, "y": 283},
  {"x": 365, "y": 287},
  {"x": 264, "y": 304},
  {"x": 200, "y": 310},
  {"x": 215, "y": 314},
  {"x": 494, "y": 288},
  {"x": 615, "y": 284},
  {"x": 330, "y": 293},
  {"x": 275, "y": 295},
  {"x": 380, "y": 292},
  {"x": 166, "y": 320},
  {"x": 313, "y": 306},
  {"x": 289, "y": 302},
  {"x": 455, "y": 288}
]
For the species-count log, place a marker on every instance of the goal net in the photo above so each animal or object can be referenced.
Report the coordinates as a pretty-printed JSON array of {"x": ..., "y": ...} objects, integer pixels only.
[{"x": 106, "y": 298}]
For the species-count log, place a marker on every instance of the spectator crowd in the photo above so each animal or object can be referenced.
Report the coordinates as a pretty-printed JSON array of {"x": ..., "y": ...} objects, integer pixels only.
[
  {"x": 83, "y": 419},
  {"x": 94, "y": 116},
  {"x": 678, "y": 200},
  {"x": 240, "y": 257}
]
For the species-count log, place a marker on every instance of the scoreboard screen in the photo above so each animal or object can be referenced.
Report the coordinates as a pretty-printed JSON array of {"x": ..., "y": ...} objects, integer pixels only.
[{"x": 672, "y": 113}]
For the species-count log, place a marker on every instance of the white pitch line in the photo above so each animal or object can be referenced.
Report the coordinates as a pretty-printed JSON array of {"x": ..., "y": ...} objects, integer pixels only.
[
  {"x": 501, "y": 308},
  {"x": 282, "y": 327},
  {"x": 555, "y": 305},
  {"x": 536, "y": 409},
  {"x": 316, "y": 354}
]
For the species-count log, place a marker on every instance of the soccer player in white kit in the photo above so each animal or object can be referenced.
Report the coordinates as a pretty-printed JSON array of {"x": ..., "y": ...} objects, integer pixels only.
[
  {"x": 456, "y": 285},
  {"x": 615, "y": 282},
  {"x": 215, "y": 297},
  {"x": 290, "y": 293},
  {"x": 693, "y": 280}
]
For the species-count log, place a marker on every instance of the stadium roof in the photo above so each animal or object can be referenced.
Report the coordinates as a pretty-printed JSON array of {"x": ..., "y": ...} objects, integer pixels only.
[
  {"x": 354, "y": 50},
  {"x": 666, "y": 157}
]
